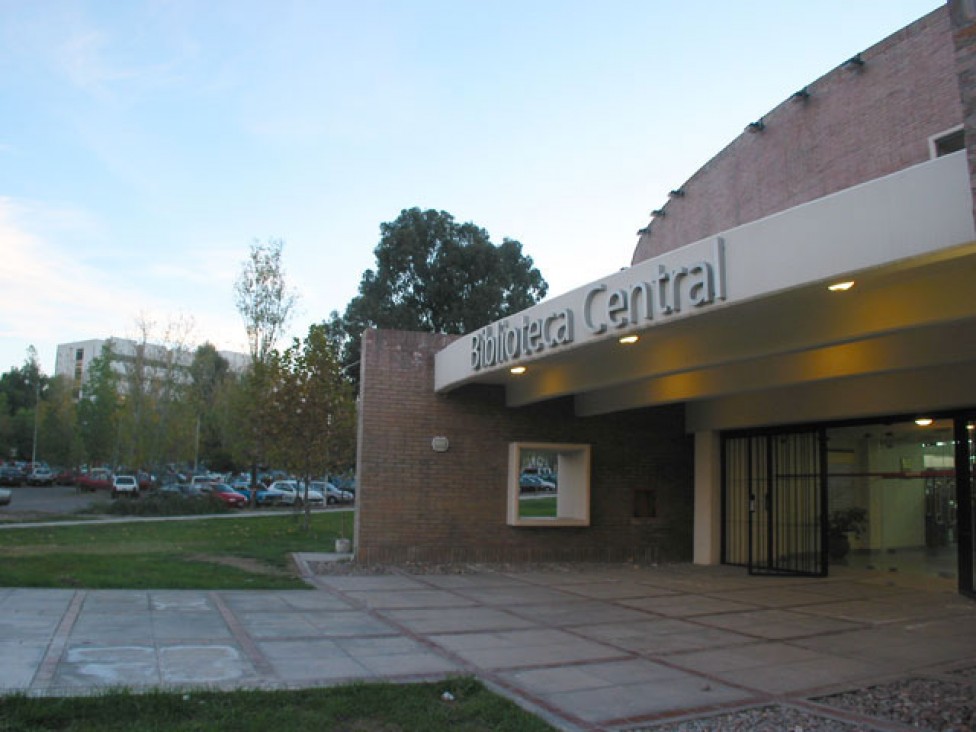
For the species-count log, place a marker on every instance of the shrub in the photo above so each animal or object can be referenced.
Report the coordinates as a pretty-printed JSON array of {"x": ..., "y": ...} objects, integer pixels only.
[{"x": 166, "y": 504}]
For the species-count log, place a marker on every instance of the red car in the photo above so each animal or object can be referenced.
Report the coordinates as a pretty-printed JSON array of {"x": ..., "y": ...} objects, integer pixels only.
[
  {"x": 225, "y": 493},
  {"x": 97, "y": 479}
]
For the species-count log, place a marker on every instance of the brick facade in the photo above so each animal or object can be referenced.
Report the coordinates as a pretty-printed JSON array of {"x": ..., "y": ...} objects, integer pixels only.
[
  {"x": 859, "y": 123},
  {"x": 963, "y": 17},
  {"x": 419, "y": 505}
]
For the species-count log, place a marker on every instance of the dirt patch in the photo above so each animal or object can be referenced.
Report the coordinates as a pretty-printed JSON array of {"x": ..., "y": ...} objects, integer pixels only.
[{"x": 254, "y": 566}]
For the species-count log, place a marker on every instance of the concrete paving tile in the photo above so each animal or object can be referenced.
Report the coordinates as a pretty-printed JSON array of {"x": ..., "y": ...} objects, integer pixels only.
[
  {"x": 686, "y": 606},
  {"x": 515, "y": 595},
  {"x": 456, "y": 581},
  {"x": 99, "y": 666},
  {"x": 579, "y": 612},
  {"x": 635, "y": 700},
  {"x": 612, "y": 590},
  {"x": 383, "y": 599},
  {"x": 775, "y": 624},
  {"x": 658, "y": 637},
  {"x": 524, "y": 648},
  {"x": 302, "y": 600},
  {"x": 457, "y": 620},
  {"x": 35, "y": 602},
  {"x": 25, "y": 626},
  {"x": 770, "y": 596},
  {"x": 576, "y": 677},
  {"x": 20, "y": 661},
  {"x": 743, "y": 657},
  {"x": 241, "y": 601},
  {"x": 203, "y": 664},
  {"x": 172, "y": 626},
  {"x": 348, "y": 623},
  {"x": 864, "y": 611},
  {"x": 277, "y": 625},
  {"x": 425, "y": 663},
  {"x": 391, "y": 646},
  {"x": 312, "y": 660},
  {"x": 181, "y": 602},
  {"x": 782, "y": 678},
  {"x": 116, "y": 601},
  {"x": 113, "y": 628},
  {"x": 371, "y": 582}
]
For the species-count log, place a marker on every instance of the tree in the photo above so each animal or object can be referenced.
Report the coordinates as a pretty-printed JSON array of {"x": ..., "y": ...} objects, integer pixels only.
[
  {"x": 20, "y": 393},
  {"x": 58, "y": 434},
  {"x": 208, "y": 373},
  {"x": 433, "y": 274},
  {"x": 98, "y": 409},
  {"x": 314, "y": 416},
  {"x": 263, "y": 298}
]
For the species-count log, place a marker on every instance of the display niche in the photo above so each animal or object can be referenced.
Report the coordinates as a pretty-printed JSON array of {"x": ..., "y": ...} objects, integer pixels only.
[{"x": 548, "y": 484}]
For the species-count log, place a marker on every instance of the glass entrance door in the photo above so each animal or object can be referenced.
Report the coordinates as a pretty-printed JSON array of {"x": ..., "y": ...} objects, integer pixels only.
[{"x": 965, "y": 434}]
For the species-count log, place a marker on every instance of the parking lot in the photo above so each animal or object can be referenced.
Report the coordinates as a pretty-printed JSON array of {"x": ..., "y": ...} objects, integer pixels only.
[{"x": 48, "y": 500}]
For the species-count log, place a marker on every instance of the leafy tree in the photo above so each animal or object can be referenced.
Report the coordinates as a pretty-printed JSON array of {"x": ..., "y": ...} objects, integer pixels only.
[
  {"x": 314, "y": 417},
  {"x": 98, "y": 408},
  {"x": 433, "y": 274},
  {"x": 208, "y": 373},
  {"x": 263, "y": 298},
  {"x": 59, "y": 441},
  {"x": 20, "y": 392}
]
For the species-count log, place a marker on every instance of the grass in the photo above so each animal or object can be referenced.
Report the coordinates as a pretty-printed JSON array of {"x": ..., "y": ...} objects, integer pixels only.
[
  {"x": 219, "y": 554},
  {"x": 538, "y": 508},
  {"x": 355, "y": 708}
]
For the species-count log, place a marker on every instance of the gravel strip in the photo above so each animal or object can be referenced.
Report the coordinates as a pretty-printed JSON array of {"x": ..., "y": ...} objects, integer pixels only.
[
  {"x": 774, "y": 718},
  {"x": 965, "y": 673},
  {"x": 928, "y": 704},
  {"x": 421, "y": 568}
]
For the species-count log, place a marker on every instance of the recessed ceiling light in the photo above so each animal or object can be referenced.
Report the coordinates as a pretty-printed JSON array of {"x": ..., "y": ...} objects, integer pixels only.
[
  {"x": 841, "y": 286},
  {"x": 923, "y": 421},
  {"x": 629, "y": 339},
  {"x": 518, "y": 370}
]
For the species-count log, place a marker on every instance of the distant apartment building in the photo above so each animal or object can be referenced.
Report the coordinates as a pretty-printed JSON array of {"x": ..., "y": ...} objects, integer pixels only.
[{"x": 74, "y": 360}]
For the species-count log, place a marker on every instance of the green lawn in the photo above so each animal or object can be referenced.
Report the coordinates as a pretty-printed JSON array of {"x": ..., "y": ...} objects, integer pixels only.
[
  {"x": 241, "y": 553},
  {"x": 354, "y": 708},
  {"x": 538, "y": 507}
]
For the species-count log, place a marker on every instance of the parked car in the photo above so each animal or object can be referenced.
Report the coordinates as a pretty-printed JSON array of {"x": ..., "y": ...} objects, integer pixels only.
[
  {"x": 223, "y": 492},
  {"x": 41, "y": 476},
  {"x": 9, "y": 475},
  {"x": 124, "y": 485},
  {"x": 264, "y": 497},
  {"x": 64, "y": 476},
  {"x": 5, "y": 494},
  {"x": 529, "y": 482},
  {"x": 293, "y": 493},
  {"x": 97, "y": 479},
  {"x": 332, "y": 494}
]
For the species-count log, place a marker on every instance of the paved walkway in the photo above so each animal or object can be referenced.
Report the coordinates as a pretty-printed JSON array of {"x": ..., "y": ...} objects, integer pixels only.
[{"x": 596, "y": 649}]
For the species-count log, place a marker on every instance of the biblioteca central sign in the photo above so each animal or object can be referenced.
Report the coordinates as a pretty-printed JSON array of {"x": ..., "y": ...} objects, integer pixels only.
[{"x": 658, "y": 291}]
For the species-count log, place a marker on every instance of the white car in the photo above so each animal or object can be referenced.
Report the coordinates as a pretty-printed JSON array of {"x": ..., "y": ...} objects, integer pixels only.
[
  {"x": 125, "y": 485},
  {"x": 333, "y": 494},
  {"x": 5, "y": 494},
  {"x": 293, "y": 494}
]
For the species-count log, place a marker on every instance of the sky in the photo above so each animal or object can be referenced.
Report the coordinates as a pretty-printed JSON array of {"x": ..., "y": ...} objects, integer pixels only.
[{"x": 145, "y": 144}]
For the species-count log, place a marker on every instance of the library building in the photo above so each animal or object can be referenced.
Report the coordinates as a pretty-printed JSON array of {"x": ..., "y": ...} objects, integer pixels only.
[{"x": 783, "y": 379}]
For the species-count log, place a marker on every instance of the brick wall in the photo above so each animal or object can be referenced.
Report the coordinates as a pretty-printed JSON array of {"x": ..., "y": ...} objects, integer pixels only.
[
  {"x": 963, "y": 15},
  {"x": 857, "y": 124},
  {"x": 418, "y": 505}
]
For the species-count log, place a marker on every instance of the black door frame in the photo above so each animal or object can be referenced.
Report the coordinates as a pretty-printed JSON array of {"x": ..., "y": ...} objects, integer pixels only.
[{"x": 965, "y": 517}]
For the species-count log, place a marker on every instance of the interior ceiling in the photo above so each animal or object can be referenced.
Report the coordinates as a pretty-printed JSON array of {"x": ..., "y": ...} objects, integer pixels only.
[{"x": 904, "y": 316}]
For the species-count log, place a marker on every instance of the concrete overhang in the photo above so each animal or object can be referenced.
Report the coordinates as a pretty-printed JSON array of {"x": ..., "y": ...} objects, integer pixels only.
[{"x": 755, "y": 312}]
